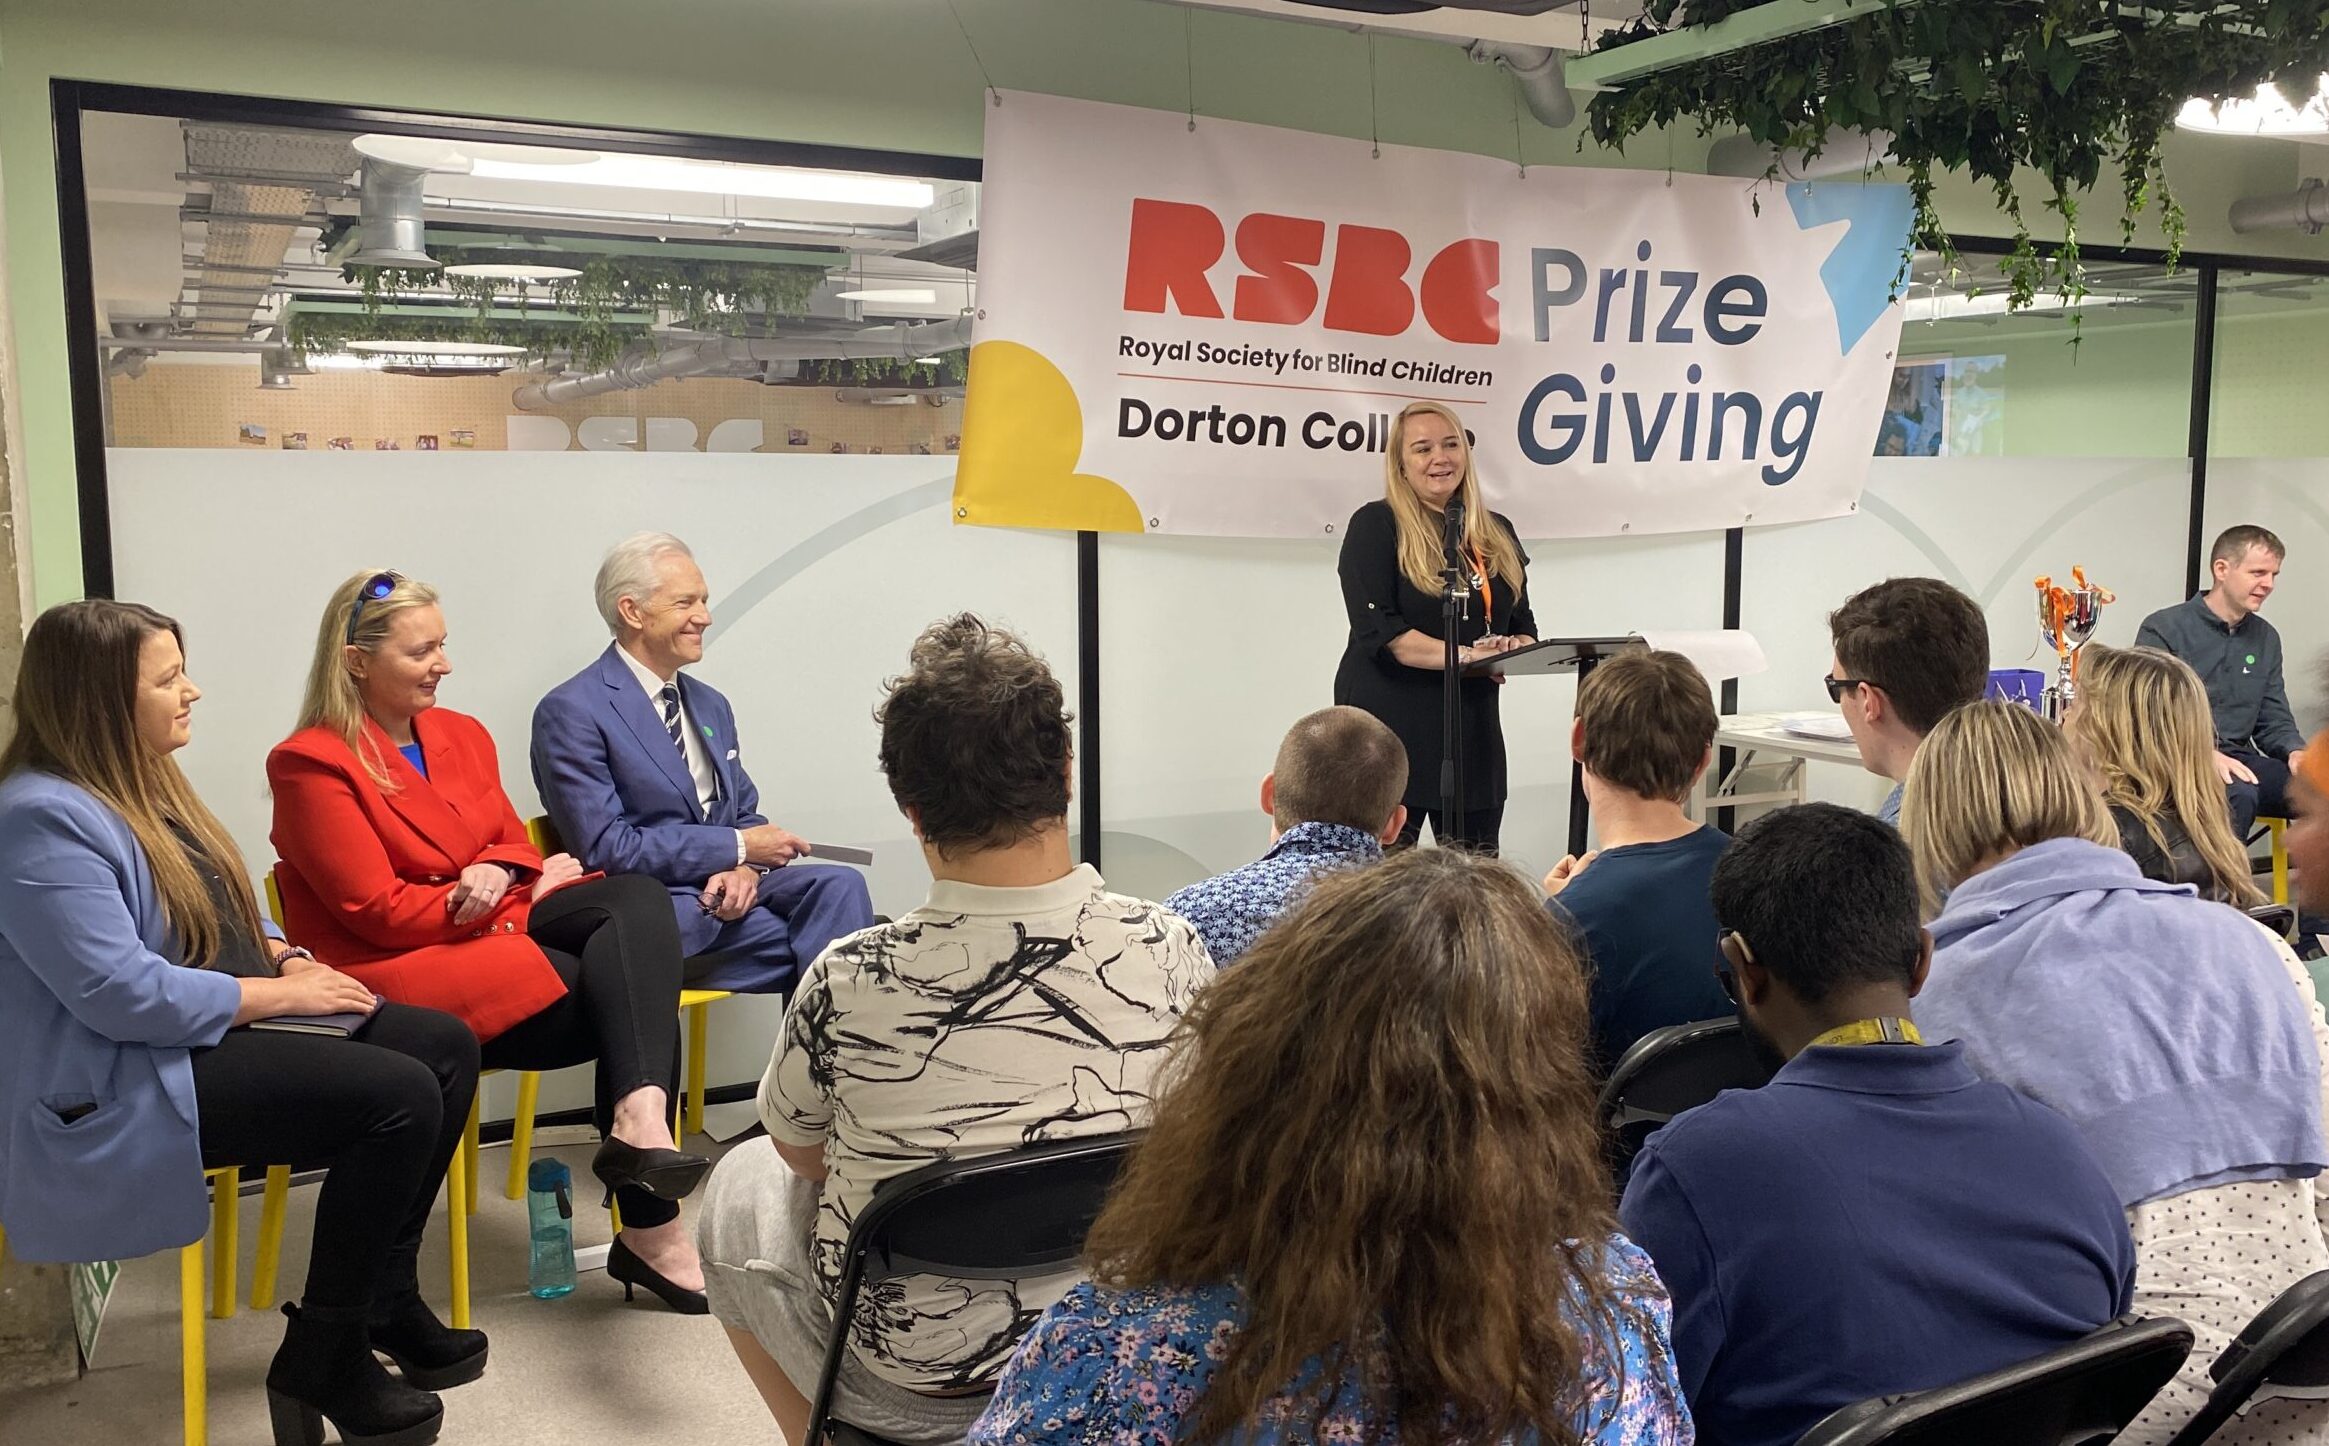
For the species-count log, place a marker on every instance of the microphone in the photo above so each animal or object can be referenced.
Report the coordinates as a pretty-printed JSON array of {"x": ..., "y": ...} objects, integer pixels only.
[{"x": 1452, "y": 528}]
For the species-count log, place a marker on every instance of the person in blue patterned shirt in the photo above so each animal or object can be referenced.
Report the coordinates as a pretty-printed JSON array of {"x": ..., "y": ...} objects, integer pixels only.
[
  {"x": 1372, "y": 1204},
  {"x": 1333, "y": 802}
]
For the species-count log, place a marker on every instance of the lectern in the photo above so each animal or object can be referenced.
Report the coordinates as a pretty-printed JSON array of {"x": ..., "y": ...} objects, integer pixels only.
[{"x": 1554, "y": 655}]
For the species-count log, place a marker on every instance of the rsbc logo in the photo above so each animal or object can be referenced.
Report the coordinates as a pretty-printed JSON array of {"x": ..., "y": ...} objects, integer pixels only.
[{"x": 1175, "y": 243}]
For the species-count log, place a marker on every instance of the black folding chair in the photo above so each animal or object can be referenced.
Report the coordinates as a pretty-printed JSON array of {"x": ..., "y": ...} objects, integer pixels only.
[
  {"x": 2081, "y": 1395},
  {"x": 996, "y": 1217},
  {"x": 2283, "y": 1354},
  {"x": 1671, "y": 1070},
  {"x": 2280, "y": 918}
]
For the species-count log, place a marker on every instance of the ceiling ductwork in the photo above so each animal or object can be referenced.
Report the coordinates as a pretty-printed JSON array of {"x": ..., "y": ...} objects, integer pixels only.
[
  {"x": 264, "y": 185},
  {"x": 946, "y": 233},
  {"x": 389, "y": 229},
  {"x": 1539, "y": 72},
  {"x": 645, "y": 368},
  {"x": 2304, "y": 209}
]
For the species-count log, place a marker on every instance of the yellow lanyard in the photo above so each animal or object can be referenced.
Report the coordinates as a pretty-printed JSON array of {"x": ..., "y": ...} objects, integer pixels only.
[{"x": 1888, "y": 1030}]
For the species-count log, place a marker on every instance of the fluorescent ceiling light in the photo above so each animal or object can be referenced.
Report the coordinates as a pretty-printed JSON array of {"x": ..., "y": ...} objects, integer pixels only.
[
  {"x": 1956, "y": 305},
  {"x": 512, "y": 271},
  {"x": 929, "y": 361},
  {"x": 439, "y": 153},
  {"x": 2269, "y": 114},
  {"x": 435, "y": 348},
  {"x": 902, "y": 399},
  {"x": 717, "y": 178},
  {"x": 902, "y": 295}
]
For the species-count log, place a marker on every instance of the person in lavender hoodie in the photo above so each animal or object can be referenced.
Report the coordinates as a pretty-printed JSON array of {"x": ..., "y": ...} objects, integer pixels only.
[{"x": 2181, "y": 1039}]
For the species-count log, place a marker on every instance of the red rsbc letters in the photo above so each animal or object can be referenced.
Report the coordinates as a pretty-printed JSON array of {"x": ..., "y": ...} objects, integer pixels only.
[{"x": 1175, "y": 243}]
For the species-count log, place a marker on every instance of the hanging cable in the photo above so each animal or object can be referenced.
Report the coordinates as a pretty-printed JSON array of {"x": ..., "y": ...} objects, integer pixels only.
[
  {"x": 1374, "y": 102},
  {"x": 972, "y": 46},
  {"x": 1189, "y": 48}
]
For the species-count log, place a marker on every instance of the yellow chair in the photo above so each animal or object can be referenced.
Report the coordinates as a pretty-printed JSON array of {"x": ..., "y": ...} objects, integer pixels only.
[
  {"x": 693, "y": 1004},
  {"x": 225, "y": 1197},
  {"x": 2279, "y": 829},
  {"x": 460, "y": 1192},
  {"x": 193, "y": 1345}
]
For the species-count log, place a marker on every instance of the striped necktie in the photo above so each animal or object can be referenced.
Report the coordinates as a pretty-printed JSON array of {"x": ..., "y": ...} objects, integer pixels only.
[{"x": 671, "y": 720}]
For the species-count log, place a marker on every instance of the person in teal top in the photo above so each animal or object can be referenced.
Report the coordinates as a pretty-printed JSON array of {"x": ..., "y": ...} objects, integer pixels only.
[{"x": 1382, "y": 1115}]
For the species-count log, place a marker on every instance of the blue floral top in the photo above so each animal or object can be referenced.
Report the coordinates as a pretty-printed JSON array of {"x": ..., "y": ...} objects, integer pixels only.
[
  {"x": 1233, "y": 910},
  {"x": 1127, "y": 1368}
]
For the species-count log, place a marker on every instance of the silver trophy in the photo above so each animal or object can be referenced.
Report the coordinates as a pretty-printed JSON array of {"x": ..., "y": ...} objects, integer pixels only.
[{"x": 2067, "y": 618}]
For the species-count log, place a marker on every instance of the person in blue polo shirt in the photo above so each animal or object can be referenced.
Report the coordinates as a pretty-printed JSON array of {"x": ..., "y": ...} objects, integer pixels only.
[
  {"x": 1333, "y": 801},
  {"x": 1876, "y": 1219}
]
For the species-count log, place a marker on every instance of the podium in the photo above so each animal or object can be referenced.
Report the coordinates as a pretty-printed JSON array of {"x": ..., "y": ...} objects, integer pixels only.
[{"x": 1555, "y": 655}]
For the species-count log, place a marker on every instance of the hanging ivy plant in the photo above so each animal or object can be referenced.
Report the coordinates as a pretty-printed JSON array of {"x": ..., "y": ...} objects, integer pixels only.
[
  {"x": 951, "y": 369},
  {"x": 2065, "y": 88},
  {"x": 699, "y": 295},
  {"x": 591, "y": 345}
]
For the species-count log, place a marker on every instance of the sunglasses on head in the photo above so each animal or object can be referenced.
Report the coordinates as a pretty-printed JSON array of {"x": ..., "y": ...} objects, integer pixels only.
[{"x": 376, "y": 587}]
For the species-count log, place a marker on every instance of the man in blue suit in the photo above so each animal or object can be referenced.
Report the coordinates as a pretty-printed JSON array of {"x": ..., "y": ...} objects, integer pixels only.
[{"x": 639, "y": 768}]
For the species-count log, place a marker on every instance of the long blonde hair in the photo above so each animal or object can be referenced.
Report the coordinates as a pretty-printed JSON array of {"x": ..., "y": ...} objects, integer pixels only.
[
  {"x": 2143, "y": 721},
  {"x": 334, "y": 699},
  {"x": 1992, "y": 778},
  {"x": 76, "y": 718},
  {"x": 1421, "y": 547}
]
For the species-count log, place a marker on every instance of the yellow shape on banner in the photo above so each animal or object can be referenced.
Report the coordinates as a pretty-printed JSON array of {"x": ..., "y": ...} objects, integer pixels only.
[{"x": 1022, "y": 435}]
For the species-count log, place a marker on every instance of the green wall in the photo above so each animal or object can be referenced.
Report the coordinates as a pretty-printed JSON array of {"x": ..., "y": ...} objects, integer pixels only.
[{"x": 884, "y": 74}]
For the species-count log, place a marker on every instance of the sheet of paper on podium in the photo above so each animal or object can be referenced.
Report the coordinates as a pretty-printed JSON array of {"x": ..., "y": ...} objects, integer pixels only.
[{"x": 1728, "y": 653}]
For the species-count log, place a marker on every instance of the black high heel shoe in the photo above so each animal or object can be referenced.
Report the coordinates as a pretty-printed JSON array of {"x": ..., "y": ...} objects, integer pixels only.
[
  {"x": 664, "y": 1174},
  {"x": 624, "y": 1264},
  {"x": 430, "y": 1355},
  {"x": 325, "y": 1370}
]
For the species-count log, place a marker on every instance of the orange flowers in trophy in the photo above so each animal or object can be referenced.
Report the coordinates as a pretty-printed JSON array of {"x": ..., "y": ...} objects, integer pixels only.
[{"x": 2067, "y": 618}]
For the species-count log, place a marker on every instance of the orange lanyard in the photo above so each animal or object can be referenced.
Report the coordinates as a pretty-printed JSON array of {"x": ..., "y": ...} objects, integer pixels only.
[{"x": 1487, "y": 588}]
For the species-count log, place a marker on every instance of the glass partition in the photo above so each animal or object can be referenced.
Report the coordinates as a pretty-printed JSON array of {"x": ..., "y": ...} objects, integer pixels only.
[{"x": 2268, "y": 454}]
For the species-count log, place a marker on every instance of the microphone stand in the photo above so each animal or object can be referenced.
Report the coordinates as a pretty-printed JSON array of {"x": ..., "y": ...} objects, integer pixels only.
[{"x": 1455, "y": 593}]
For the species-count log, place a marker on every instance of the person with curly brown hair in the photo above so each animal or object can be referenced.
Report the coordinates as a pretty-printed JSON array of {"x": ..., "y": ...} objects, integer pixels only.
[
  {"x": 1373, "y": 1205},
  {"x": 1024, "y": 1002}
]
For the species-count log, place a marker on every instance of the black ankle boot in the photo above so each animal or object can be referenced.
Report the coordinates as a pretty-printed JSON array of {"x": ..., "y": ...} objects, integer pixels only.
[
  {"x": 325, "y": 1370},
  {"x": 431, "y": 1355}
]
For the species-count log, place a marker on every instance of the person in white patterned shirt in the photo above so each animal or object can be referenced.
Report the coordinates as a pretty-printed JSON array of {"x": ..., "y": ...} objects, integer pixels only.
[{"x": 1022, "y": 1003}]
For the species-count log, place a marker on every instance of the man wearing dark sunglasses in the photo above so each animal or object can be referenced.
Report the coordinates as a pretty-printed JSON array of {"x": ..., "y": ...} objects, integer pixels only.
[
  {"x": 1908, "y": 650},
  {"x": 1877, "y": 1218}
]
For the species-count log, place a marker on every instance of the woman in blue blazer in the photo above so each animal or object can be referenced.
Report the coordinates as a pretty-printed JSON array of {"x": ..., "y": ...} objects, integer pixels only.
[{"x": 132, "y": 955}]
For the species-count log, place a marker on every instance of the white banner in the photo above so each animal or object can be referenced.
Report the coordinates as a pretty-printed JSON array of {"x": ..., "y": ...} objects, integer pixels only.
[{"x": 1211, "y": 331}]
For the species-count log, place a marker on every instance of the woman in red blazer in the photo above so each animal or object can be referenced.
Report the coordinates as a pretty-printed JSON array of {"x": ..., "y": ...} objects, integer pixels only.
[{"x": 404, "y": 865}]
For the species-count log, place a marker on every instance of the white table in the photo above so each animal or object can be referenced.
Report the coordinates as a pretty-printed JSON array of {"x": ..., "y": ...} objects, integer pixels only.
[{"x": 1752, "y": 733}]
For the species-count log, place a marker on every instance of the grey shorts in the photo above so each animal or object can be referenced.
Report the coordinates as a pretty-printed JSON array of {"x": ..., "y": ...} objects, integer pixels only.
[{"x": 753, "y": 1220}]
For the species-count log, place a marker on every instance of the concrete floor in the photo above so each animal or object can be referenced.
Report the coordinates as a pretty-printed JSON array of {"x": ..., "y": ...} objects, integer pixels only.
[{"x": 586, "y": 1368}]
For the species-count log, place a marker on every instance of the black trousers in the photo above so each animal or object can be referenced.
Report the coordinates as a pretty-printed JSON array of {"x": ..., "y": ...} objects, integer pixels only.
[
  {"x": 381, "y": 1112},
  {"x": 616, "y": 944},
  {"x": 1482, "y": 828},
  {"x": 2267, "y": 797}
]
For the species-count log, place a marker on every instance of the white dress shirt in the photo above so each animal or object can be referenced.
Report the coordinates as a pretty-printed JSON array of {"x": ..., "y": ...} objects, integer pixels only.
[{"x": 699, "y": 757}]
